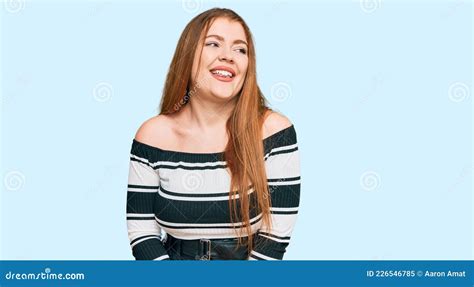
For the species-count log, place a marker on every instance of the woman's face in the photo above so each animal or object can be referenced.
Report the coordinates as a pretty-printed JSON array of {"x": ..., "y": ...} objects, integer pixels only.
[{"x": 223, "y": 62}]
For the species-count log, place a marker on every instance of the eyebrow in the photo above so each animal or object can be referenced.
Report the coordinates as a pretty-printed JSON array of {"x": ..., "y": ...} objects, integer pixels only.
[{"x": 220, "y": 38}]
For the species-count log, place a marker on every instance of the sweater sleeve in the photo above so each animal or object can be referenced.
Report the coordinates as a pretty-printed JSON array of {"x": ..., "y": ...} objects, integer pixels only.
[
  {"x": 144, "y": 232},
  {"x": 282, "y": 166}
]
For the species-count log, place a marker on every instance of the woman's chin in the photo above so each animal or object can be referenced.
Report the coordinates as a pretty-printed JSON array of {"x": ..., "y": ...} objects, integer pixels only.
[{"x": 222, "y": 94}]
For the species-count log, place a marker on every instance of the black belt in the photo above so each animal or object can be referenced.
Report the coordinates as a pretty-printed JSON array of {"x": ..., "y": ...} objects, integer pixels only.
[{"x": 205, "y": 249}]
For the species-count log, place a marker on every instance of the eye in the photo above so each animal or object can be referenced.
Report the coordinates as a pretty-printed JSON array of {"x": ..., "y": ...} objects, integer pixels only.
[
  {"x": 212, "y": 44},
  {"x": 242, "y": 50}
]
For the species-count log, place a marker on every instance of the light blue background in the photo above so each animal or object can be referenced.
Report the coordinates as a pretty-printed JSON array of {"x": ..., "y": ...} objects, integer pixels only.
[{"x": 366, "y": 85}]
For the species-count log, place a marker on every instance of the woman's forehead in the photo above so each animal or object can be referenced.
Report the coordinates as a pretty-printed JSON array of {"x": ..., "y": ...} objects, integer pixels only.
[{"x": 227, "y": 29}]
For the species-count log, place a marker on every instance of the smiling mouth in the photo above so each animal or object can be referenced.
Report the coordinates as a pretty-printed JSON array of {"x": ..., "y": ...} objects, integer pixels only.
[{"x": 223, "y": 74}]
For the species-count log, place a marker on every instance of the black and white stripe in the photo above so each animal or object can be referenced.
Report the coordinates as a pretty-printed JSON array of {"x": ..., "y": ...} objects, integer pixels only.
[{"x": 187, "y": 196}]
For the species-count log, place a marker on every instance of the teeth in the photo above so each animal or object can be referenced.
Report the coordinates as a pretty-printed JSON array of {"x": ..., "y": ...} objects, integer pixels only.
[{"x": 222, "y": 73}]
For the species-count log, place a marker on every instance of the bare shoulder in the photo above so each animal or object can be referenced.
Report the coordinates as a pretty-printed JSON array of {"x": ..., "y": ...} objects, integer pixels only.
[
  {"x": 155, "y": 131},
  {"x": 274, "y": 122}
]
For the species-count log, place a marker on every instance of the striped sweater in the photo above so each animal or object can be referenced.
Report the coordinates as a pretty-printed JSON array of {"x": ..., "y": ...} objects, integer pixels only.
[{"x": 186, "y": 195}]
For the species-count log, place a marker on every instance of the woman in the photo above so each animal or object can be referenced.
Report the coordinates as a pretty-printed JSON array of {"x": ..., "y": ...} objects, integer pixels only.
[{"x": 216, "y": 171}]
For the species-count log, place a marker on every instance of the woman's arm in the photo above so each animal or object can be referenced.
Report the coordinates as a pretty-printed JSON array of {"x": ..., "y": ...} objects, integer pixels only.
[
  {"x": 143, "y": 231},
  {"x": 283, "y": 172}
]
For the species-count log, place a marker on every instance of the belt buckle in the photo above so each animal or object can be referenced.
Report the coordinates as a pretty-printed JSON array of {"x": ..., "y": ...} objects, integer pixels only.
[{"x": 208, "y": 255}]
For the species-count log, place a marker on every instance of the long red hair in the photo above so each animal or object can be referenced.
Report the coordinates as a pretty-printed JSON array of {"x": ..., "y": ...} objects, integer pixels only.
[{"x": 244, "y": 151}]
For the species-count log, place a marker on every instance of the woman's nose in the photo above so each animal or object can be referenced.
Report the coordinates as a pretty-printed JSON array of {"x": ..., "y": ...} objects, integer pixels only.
[{"x": 225, "y": 55}]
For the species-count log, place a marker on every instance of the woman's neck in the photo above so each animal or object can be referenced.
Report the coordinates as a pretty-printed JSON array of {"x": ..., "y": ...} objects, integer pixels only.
[{"x": 207, "y": 115}]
